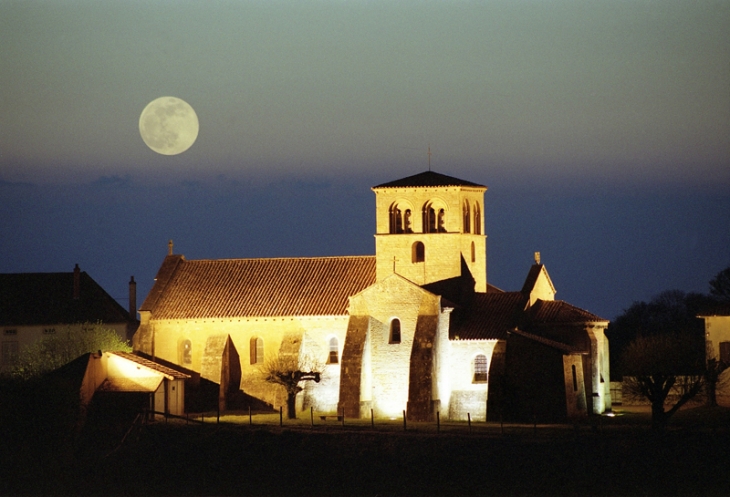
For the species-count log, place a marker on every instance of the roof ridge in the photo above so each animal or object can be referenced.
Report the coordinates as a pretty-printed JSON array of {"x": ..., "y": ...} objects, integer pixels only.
[{"x": 283, "y": 258}]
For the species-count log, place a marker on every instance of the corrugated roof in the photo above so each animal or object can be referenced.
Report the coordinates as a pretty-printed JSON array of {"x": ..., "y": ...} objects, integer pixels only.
[
  {"x": 428, "y": 178},
  {"x": 559, "y": 312},
  {"x": 28, "y": 299},
  {"x": 261, "y": 287},
  {"x": 489, "y": 316},
  {"x": 154, "y": 366}
]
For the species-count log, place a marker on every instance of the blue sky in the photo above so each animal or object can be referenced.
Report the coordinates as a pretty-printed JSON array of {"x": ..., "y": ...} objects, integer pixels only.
[{"x": 602, "y": 130}]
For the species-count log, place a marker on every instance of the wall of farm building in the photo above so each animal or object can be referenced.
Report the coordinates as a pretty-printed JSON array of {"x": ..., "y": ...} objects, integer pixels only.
[{"x": 179, "y": 341}]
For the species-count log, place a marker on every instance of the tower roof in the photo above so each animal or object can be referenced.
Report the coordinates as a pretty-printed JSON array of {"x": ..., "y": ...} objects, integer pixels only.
[{"x": 428, "y": 178}]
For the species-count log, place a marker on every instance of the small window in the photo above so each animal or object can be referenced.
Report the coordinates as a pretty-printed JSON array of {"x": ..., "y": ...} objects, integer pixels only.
[
  {"x": 9, "y": 353},
  {"x": 477, "y": 219},
  {"x": 11, "y": 332},
  {"x": 187, "y": 352},
  {"x": 394, "y": 335},
  {"x": 419, "y": 252},
  {"x": 334, "y": 355},
  {"x": 575, "y": 379},
  {"x": 49, "y": 331},
  {"x": 257, "y": 350},
  {"x": 480, "y": 369},
  {"x": 725, "y": 352},
  {"x": 467, "y": 217}
]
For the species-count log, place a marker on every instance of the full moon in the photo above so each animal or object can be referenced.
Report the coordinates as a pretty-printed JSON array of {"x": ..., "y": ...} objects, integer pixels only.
[{"x": 168, "y": 125}]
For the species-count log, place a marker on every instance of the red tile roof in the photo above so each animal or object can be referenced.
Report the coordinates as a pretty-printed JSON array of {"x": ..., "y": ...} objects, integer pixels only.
[
  {"x": 428, "y": 178},
  {"x": 557, "y": 312},
  {"x": 488, "y": 317},
  {"x": 257, "y": 287},
  {"x": 571, "y": 349}
]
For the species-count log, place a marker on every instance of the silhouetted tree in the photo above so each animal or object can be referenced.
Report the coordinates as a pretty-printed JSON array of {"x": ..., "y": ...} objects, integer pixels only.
[
  {"x": 64, "y": 346},
  {"x": 656, "y": 366},
  {"x": 720, "y": 285},
  {"x": 289, "y": 370},
  {"x": 669, "y": 313}
]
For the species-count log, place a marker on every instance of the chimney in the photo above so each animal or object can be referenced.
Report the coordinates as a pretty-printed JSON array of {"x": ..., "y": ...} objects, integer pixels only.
[
  {"x": 537, "y": 257},
  {"x": 169, "y": 247},
  {"x": 77, "y": 282},
  {"x": 132, "y": 298}
]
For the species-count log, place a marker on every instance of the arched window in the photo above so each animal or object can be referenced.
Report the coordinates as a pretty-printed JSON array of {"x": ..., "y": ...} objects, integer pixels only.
[
  {"x": 334, "y": 357},
  {"x": 467, "y": 217},
  {"x": 394, "y": 335},
  {"x": 473, "y": 252},
  {"x": 477, "y": 219},
  {"x": 256, "y": 347},
  {"x": 187, "y": 352},
  {"x": 418, "y": 252},
  {"x": 480, "y": 369}
]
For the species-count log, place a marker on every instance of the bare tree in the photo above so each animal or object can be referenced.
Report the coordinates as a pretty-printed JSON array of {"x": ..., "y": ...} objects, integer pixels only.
[
  {"x": 289, "y": 370},
  {"x": 64, "y": 346},
  {"x": 656, "y": 366}
]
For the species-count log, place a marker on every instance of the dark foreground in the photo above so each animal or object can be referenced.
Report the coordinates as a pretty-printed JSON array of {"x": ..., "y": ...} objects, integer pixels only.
[{"x": 175, "y": 459}]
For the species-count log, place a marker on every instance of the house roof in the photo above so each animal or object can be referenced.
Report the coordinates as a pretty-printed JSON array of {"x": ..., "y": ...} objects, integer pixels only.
[
  {"x": 428, "y": 178},
  {"x": 257, "y": 287},
  {"x": 48, "y": 298}
]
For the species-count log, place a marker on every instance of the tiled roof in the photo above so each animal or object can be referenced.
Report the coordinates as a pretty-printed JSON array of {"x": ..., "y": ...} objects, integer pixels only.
[
  {"x": 28, "y": 299},
  {"x": 550, "y": 343},
  {"x": 428, "y": 178},
  {"x": 154, "y": 366},
  {"x": 559, "y": 312},
  {"x": 258, "y": 287},
  {"x": 489, "y": 316}
]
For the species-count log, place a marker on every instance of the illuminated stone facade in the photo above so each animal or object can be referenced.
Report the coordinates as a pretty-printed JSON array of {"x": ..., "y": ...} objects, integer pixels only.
[{"x": 415, "y": 328}]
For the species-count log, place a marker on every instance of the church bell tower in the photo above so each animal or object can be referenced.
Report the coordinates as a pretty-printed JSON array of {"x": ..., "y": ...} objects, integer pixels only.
[{"x": 426, "y": 224}]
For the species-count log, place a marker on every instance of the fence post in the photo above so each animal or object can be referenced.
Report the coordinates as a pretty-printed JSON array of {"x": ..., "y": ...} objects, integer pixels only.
[
  {"x": 372, "y": 418},
  {"x": 438, "y": 421},
  {"x": 281, "y": 416},
  {"x": 468, "y": 420},
  {"x": 311, "y": 414},
  {"x": 404, "y": 420},
  {"x": 250, "y": 419}
]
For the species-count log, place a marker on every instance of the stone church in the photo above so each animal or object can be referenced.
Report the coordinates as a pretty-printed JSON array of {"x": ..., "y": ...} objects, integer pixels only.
[{"x": 414, "y": 328}]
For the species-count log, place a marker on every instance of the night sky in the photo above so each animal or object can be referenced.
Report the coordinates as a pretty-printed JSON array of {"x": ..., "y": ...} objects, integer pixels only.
[{"x": 602, "y": 129}]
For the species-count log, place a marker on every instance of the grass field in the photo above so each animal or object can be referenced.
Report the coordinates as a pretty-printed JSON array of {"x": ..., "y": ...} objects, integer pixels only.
[{"x": 603, "y": 456}]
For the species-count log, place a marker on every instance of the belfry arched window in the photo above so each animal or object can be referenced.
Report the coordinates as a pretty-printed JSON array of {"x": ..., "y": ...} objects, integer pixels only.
[
  {"x": 467, "y": 217},
  {"x": 418, "y": 252},
  {"x": 480, "y": 369},
  {"x": 256, "y": 347},
  {"x": 399, "y": 219},
  {"x": 394, "y": 334},
  {"x": 334, "y": 357},
  {"x": 477, "y": 219}
]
